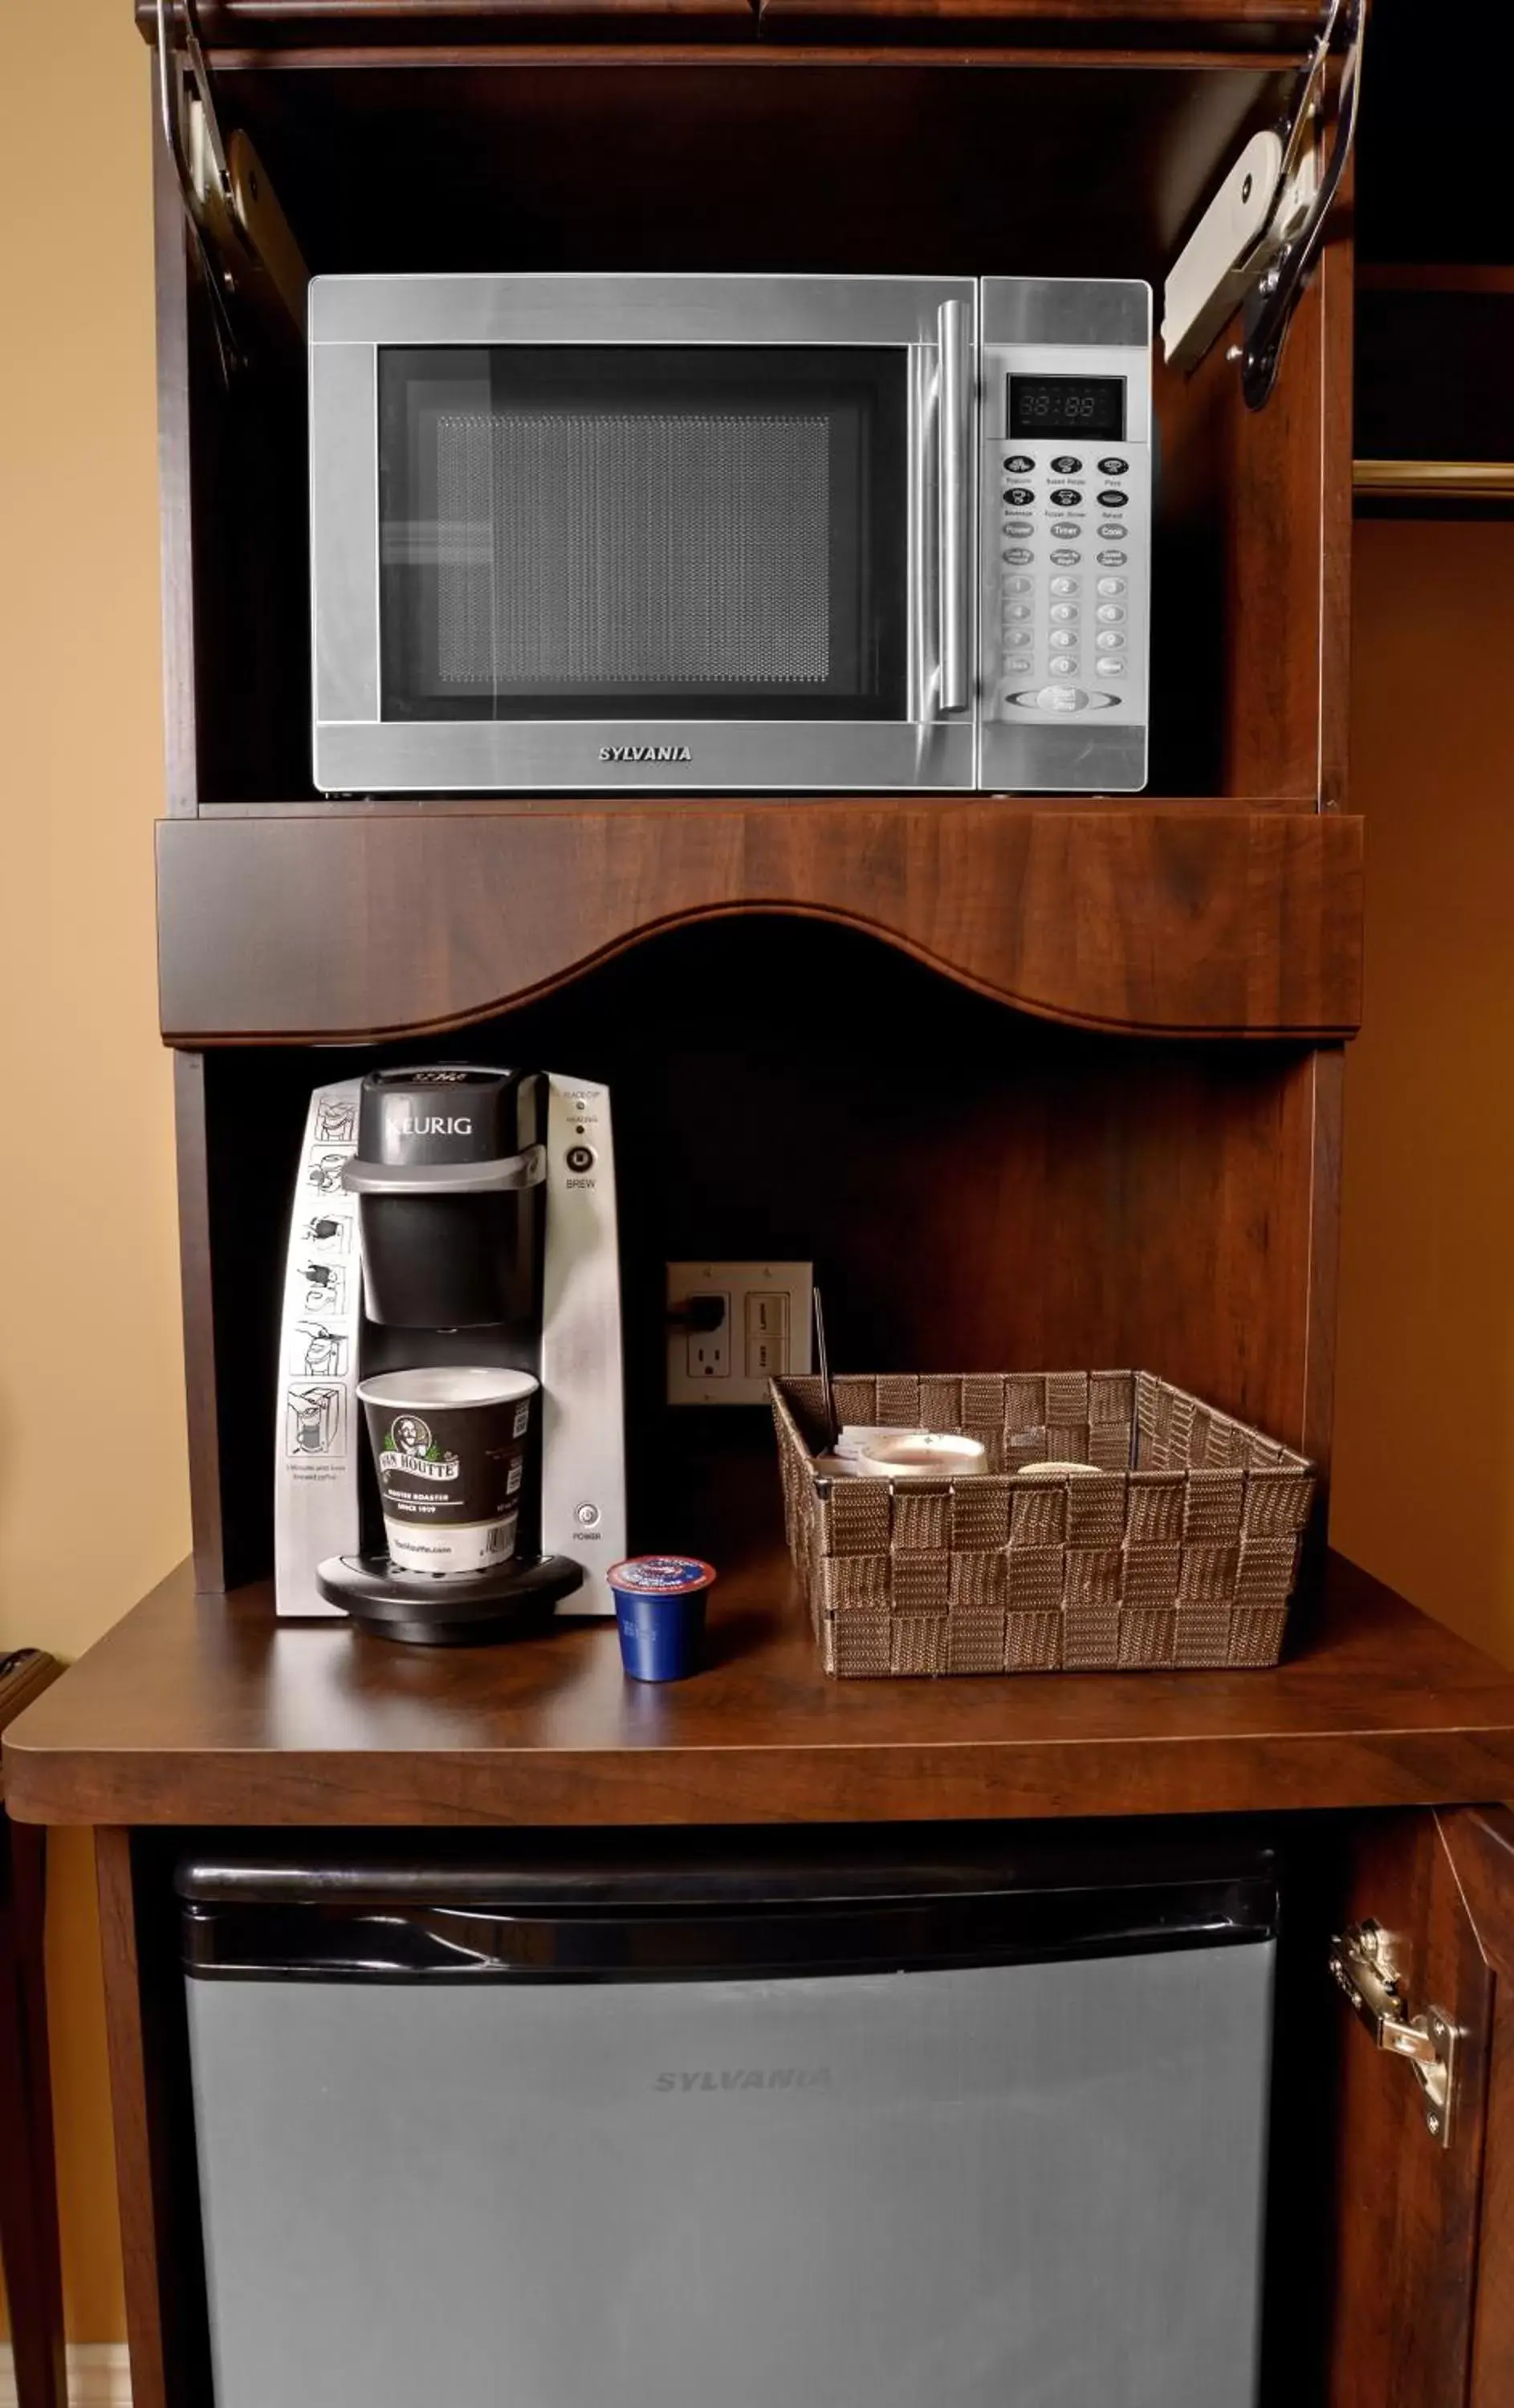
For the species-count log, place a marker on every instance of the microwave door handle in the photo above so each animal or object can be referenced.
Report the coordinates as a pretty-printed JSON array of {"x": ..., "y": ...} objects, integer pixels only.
[{"x": 952, "y": 563}]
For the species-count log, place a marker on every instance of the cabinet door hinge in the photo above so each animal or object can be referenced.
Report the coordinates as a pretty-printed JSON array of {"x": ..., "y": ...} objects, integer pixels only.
[{"x": 1362, "y": 1962}]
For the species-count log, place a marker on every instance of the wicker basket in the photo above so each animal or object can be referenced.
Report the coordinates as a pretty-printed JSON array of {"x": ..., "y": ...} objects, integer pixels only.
[{"x": 1183, "y": 1550}]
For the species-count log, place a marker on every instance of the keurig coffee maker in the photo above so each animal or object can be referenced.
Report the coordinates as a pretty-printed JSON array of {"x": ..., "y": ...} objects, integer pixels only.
[{"x": 446, "y": 1218}]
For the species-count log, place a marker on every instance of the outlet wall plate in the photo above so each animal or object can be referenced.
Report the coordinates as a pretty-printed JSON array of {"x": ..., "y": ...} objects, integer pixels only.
[{"x": 763, "y": 1331}]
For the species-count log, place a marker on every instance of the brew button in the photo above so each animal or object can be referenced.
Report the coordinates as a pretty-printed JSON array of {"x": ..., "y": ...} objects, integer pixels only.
[
  {"x": 1019, "y": 526},
  {"x": 1111, "y": 640},
  {"x": 1066, "y": 497},
  {"x": 1019, "y": 557},
  {"x": 1111, "y": 535},
  {"x": 1016, "y": 584},
  {"x": 1065, "y": 559},
  {"x": 1019, "y": 463},
  {"x": 1111, "y": 559},
  {"x": 1111, "y": 668},
  {"x": 580, "y": 1157},
  {"x": 1065, "y": 611},
  {"x": 1060, "y": 697},
  {"x": 1064, "y": 584},
  {"x": 1019, "y": 497},
  {"x": 1111, "y": 585},
  {"x": 1067, "y": 466},
  {"x": 1066, "y": 530},
  {"x": 1114, "y": 467},
  {"x": 1111, "y": 500}
]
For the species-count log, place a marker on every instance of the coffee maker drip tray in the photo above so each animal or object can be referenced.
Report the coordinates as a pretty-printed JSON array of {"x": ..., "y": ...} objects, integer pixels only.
[{"x": 469, "y": 1610}]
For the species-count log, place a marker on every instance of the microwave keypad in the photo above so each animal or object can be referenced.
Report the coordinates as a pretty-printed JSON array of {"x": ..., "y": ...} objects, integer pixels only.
[
  {"x": 1064, "y": 393},
  {"x": 1070, "y": 634}
]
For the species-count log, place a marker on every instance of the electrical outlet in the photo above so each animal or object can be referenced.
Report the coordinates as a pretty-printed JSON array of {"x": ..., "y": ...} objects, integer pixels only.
[
  {"x": 709, "y": 1350},
  {"x": 762, "y": 1330}
]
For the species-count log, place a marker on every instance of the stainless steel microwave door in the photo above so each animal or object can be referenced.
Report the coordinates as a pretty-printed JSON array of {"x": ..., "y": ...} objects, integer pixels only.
[{"x": 692, "y": 542}]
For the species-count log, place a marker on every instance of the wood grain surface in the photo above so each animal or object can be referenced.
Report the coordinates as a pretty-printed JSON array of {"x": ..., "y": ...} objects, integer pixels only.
[
  {"x": 240, "y": 24},
  {"x": 151, "y": 2116},
  {"x": 1407, "y": 2221},
  {"x": 1480, "y": 1844},
  {"x": 1165, "y": 921},
  {"x": 204, "y": 1710},
  {"x": 29, "y": 2250}
]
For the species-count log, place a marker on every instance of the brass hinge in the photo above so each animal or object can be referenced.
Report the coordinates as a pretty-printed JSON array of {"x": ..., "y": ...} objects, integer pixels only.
[{"x": 1362, "y": 1964}]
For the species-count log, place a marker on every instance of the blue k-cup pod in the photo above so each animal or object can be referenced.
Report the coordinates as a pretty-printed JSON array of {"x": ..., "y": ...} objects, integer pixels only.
[{"x": 659, "y": 1613}]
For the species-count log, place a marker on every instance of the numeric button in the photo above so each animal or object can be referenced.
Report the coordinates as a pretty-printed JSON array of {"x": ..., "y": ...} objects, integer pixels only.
[
  {"x": 1109, "y": 613},
  {"x": 1065, "y": 584},
  {"x": 1111, "y": 585}
]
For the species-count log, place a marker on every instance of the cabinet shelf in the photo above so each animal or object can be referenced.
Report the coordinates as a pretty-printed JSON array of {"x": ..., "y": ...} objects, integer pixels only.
[
  {"x": 1170, "y": 920},
  {"x": 208, "y": 1712}
]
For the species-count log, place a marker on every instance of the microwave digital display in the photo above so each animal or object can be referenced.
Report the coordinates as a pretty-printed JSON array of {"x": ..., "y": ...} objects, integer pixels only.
[{"x": 1062, "y": 405}]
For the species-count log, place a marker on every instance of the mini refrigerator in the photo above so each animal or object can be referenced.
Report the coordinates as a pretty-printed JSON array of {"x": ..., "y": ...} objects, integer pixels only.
[{"x": 909, "y": 2121}]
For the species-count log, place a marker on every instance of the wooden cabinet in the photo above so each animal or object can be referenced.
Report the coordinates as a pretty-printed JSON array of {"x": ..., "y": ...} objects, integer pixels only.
[{"x": 1031, "y": 1081}]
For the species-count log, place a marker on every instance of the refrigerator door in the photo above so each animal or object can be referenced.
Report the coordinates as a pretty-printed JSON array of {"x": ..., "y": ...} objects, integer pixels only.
[{"x": 1036, "y": 2183}]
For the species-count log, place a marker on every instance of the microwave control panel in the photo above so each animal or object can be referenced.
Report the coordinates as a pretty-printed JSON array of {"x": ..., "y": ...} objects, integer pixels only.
[{"x": 1065, "y": 583}]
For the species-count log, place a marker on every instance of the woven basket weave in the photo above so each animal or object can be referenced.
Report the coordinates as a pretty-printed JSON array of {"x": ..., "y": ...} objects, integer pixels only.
[{"x": 1182, "y": 1551}]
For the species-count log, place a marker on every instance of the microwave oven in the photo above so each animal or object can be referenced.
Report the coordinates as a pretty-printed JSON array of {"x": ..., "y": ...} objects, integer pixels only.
[{"x": 769, "y": 535}]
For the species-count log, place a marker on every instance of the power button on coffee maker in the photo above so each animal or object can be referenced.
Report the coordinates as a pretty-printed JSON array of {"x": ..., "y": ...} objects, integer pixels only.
[{"x": 580, "y": 1157}]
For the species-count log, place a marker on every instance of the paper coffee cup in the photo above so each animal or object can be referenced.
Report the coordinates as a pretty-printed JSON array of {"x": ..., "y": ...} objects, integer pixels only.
[{"x": 449, "y": 1442}]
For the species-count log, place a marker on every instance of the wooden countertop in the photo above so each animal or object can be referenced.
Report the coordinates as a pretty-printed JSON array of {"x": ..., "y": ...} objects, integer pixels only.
[{"x": 205, "y": 1711}]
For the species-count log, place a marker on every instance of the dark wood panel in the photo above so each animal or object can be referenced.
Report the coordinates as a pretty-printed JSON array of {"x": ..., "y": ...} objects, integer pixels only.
[
  {"x": 1481, "y": 1846},
  {"x": 155, "y": 2171},
  {"x": 1407, "y": 2213},
  {"x": 1247, "y": 25},
  {"x": 320, "y": 927},
  {"x": 175, "y": 524},
  {"x": 976, "y": 1190},
  {"x": 197, "y": 1292},
  {"x": 1254, "y": 567},
  {"x": 591, "y": 158},
  {"x": 235, "y": 23},
  {"x": 206, "y": 1711},
  {"x": 28, "y": 2180}
]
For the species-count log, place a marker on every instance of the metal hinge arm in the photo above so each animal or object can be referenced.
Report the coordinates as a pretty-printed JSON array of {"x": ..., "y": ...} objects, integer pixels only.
[{"x": 1362, "y": 1965}]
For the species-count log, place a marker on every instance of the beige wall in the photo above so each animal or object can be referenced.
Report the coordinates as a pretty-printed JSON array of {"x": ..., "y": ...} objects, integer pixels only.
[
  {"x": 93, "y": 1491},
  {"x": 1424, "y": 1417}
]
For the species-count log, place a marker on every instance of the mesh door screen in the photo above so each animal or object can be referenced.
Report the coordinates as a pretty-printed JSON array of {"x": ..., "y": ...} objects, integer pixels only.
[{"x": 600, "y": 550}]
